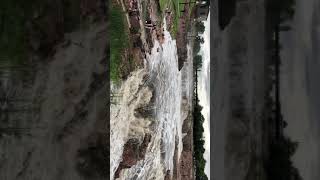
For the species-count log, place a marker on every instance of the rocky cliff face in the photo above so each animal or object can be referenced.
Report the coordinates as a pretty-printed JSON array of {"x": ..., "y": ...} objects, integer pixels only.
[
  {"x": 54, "y": 113},
  {"x": 132, "y": 153}
]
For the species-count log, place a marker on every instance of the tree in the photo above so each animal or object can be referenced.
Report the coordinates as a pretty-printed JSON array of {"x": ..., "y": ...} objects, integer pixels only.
[
  {"x": 199, "y": 39},
  {"x": 286, "y": 9},
  {"x": 280, "y": 166},
  {"x": 198, "y": 140},
  {"x": 200, "y": 27},
  {"x": 197, "y": 61},
  {"x": 196, "y": 47},
  {"x": 281, "y": 11}
]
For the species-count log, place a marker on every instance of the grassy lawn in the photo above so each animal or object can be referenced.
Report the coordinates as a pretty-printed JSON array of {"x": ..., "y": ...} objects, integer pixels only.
[
  {"x": 119, "y": 41},
  {"x": 174, "y": 6},
  {"x": 191, "y": 8}
]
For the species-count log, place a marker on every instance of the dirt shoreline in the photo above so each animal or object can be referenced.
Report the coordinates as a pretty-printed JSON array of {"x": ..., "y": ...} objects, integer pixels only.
[{"x": 141, "y": 38}]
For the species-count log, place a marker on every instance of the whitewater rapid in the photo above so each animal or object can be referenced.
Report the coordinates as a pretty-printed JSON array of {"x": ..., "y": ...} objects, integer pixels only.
[{"x": 163, "y": 85}]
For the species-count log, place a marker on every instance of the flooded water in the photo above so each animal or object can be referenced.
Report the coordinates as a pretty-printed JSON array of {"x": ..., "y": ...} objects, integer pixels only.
[{"x": 163, "y": 86}]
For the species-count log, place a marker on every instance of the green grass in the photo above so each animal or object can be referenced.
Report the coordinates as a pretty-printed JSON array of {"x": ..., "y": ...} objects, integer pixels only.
[
  {"x": 164, "y": 4},
  {"x": 177, "y": 8},
  {"x": 119, "y": 41},
  {"x": 191, "y": 8},
  {"x": 174, "y": 6}
]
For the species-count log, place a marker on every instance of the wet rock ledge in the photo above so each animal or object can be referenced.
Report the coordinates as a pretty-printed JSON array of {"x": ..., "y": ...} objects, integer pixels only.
[{"x": 132, "y": 153}]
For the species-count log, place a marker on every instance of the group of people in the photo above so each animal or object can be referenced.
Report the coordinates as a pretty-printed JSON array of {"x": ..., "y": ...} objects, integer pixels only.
[
  {"x": 150, "y": 25},
  {"x": 153, "y": 27},
  {"x": 133, "y": 5},
  {"x": 133, "y": 9}
]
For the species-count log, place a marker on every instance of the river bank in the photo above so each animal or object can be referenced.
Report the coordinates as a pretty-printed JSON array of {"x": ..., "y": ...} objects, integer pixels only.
[{"x": 141, "y": 38}]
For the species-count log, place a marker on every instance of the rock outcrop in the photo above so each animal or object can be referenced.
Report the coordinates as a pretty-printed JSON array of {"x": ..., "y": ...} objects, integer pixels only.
[{"x": 133, "y": 152}]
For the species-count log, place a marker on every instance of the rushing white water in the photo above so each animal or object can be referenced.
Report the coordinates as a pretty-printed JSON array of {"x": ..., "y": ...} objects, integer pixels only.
[
  {"x": 123, "y": 122},
  {"x": 166, "y": 125}
]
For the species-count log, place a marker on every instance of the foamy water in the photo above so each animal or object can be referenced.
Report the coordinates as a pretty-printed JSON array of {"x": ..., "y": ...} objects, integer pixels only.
[{"x": 164, "y": 82}]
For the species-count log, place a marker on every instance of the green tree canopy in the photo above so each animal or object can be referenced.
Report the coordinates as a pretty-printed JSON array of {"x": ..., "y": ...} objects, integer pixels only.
[
  {"x": 282, "y": 11},
  {"x": 200, "y": 27},
  {"x": 197, "y": 62},
  {"x": 280, "y": 166},
  {"x": 198, "y": 140}
]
